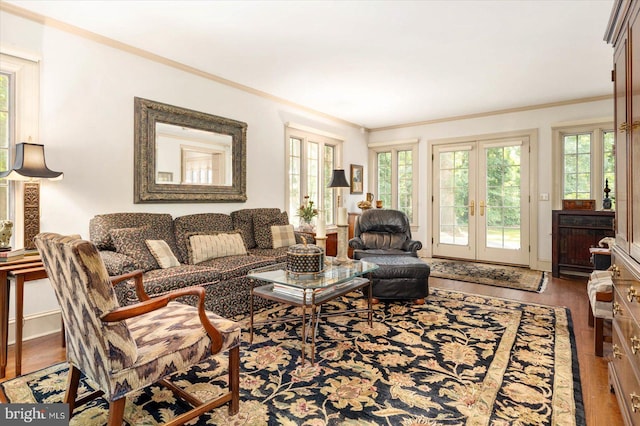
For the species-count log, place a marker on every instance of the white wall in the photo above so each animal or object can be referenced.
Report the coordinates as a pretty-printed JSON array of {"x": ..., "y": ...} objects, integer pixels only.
[
  {"x": 86, "y": 125},
  {"x": 541, "y": 120}
]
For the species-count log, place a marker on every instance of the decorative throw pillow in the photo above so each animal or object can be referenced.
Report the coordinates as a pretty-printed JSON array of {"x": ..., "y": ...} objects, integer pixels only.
[
  {"x": 162, "y": 253},
  {"x": 205, "y": 247},
  {"x": 262, "y": 228},
  {"x": 131, "y": 242},
  {"x": 283, "y": 236}
]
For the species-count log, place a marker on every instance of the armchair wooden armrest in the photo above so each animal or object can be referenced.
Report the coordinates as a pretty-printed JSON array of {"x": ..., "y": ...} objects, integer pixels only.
[
  {"x": 137, "y": 275},
  {"x": 152, "y": 304}
]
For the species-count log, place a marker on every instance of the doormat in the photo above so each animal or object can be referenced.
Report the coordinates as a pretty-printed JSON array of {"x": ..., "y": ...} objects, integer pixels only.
[{"x": 496, "y": 275}]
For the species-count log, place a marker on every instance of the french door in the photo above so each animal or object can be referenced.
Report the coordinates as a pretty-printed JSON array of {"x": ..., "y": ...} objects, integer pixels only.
[{"x": 481, "y": 200}]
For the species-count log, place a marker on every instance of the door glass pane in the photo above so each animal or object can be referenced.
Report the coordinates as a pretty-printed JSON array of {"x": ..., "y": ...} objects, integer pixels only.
[
  {"x": 313, "y": 171},
  {"x": 294, "y": 174},
  {"x": 405, "y": 183},
  {"x": 454, "y": 197},
  {"x": 329, "y": 161},
  {"x": 577, "y": 166},
  {"x": 503, "y": 197},
  {"x": 384, "y": 178},
  {"x": 609, "y": 165}
]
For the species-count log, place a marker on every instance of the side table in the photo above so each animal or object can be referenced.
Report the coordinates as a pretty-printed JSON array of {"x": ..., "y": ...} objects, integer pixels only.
[{"x": 28, "y": 268}]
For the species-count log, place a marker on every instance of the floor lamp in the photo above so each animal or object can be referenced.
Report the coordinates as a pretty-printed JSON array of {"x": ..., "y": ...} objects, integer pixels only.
[
  {"x": 338, "y": 181},
  {"x": 30, "y": 167}
]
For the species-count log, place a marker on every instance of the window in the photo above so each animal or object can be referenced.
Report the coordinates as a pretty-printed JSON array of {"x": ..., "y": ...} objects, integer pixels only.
[
  {"x": 311, "y": 158},
  {"x": 395, "y": 174},
  {"x": 585, "y": 162},
  {"x": 19, "y": 111},
  {"x": 6, "y": 118}
]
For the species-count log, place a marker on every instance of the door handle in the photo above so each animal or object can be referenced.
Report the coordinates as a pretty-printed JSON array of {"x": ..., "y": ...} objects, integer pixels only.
[
  {"x": 472, "y": 207},
  {"x": 482, "y": 208}
]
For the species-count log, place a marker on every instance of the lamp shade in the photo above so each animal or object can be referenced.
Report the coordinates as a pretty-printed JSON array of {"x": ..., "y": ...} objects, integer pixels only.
[
  {"x": 338, "y": 179},
  {"x": 30, "y": 164}
]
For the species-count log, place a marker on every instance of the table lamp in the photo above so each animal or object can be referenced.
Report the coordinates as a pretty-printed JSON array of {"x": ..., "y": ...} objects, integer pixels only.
[
  {"x": 30, "y": 167},
  {"x": 339, "y": 180}
]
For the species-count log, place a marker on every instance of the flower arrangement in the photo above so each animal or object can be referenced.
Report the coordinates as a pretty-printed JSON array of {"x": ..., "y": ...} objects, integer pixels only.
[{"x": 306, "y": 211}]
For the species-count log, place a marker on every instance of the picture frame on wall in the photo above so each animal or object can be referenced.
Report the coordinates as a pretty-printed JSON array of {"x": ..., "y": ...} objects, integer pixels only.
[{"x": 357, "y": 179}]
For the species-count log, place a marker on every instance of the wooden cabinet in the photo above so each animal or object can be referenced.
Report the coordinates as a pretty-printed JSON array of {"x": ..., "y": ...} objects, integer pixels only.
[
  {"x": 623, "y": 32},
  {"x": 332, "y": 242},
  {"x": 574, "y": 232}
]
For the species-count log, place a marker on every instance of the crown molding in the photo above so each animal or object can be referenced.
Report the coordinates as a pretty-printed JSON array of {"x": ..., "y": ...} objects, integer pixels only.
[{"x": 496, "y": 112}]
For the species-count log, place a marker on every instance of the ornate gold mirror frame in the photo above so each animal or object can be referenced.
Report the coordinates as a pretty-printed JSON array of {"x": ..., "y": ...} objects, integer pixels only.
[{"x": 151, "y": 185}]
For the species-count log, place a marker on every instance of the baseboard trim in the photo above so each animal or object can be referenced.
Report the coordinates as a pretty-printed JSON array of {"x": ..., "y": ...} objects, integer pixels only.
[{"x": 37, "y": 325}]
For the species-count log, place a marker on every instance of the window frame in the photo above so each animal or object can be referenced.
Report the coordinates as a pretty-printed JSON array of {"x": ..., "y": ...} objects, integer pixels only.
[
  {"x": 322, "y": 139},
  {"x": 597, "y": 129},
  {"x": 394, "y": 147}
]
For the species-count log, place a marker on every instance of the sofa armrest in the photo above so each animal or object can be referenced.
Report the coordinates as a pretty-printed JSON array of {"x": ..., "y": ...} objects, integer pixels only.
[
  {"x": 117, "y": 263},
  {"x": 412, "y": 246},
  {"x": 356, "y": 243}
]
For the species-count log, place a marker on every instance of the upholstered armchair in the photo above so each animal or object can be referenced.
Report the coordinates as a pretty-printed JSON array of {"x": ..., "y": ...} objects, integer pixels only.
[
  {"x": 380, "y": 232},
  {"x": 124, "y": 349}
]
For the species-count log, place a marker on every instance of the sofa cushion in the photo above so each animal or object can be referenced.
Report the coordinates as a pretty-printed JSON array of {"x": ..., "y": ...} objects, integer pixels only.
[
  {"x": 162, "y": 253},
  {"x": 118, "y": 263},
  {"x": 283, "y": 236},
  {"x": 161, "y": 281},
  {"x": 262, "y": 228},
  {"x": 243, "y": 220},
  {"x": 131, "y": 242},
  {"x": 235, "y": 267},
  {"x": 277, "y": 255},
  {"x": 202, "y": 223},
  {"x": 101, "y": 225},
  {"x": 205, "y": 247}
]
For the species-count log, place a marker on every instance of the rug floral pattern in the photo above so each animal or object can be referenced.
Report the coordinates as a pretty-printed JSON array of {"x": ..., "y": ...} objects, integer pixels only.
[
  {"x": 496, "y": 275},
  {"x": 458, "y": 359}
]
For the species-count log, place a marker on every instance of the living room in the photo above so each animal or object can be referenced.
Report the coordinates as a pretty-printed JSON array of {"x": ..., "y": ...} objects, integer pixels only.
[{"x": 87, "y": 88}]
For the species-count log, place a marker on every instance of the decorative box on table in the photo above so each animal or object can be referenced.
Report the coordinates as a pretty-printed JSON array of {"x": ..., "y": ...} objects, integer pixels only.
[{"x": 305, "y": 259}]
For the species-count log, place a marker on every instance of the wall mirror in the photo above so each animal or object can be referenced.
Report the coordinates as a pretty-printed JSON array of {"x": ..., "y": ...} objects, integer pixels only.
[{"x": 185, "y": 156}]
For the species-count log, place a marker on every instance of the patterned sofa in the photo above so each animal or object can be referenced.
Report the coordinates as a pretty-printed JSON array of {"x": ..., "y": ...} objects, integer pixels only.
[{"x": 224, "y": 278}]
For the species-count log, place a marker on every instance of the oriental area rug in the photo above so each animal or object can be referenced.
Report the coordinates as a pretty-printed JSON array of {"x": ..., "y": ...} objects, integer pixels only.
[
  {"x": 459, "y": 359},
  {"x": 496, "y": 275}
]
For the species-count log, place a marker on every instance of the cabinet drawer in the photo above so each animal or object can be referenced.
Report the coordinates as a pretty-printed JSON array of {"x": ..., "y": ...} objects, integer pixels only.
[
  {"x": 627, "y": 297},
  {"x": 628, "y": 386}
]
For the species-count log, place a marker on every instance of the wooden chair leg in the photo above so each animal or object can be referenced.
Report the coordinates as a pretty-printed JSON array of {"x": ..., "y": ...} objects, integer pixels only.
[
  {"x": 599, "y": 336},
  {"x": 116, "y": 412},
  {"x": 73, "y": 380},
  {"x": 590, "y": 315},
  {"x": 234, "y": 380}
]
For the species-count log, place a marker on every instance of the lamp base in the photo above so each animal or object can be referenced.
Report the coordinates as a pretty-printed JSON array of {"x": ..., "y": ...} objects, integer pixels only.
[
  {"x": 343, "y": 243},
  {"x": 31, "y": 213}
]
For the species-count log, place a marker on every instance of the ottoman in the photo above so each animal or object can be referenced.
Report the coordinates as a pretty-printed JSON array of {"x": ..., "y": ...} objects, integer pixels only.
[{"x": 400, "y": 277}]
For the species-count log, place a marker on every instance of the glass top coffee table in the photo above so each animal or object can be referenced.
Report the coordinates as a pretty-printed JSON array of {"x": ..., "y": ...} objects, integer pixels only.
[{"x": 309, "y": 292}]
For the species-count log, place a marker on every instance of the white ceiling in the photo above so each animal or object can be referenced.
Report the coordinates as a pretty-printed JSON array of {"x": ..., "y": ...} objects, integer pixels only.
[{"x": 373, "y": 63}]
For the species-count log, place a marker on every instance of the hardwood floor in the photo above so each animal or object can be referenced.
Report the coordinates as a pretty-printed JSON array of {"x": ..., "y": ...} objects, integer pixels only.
[{"x": 601, "y": 407}]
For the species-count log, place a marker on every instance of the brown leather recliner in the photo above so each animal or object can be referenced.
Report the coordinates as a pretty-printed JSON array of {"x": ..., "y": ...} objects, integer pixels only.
[{"x": 380, "y": 232}]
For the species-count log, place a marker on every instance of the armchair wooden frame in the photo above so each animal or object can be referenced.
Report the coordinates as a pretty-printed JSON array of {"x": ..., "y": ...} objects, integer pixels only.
[{"x": 147, "y": 304}]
